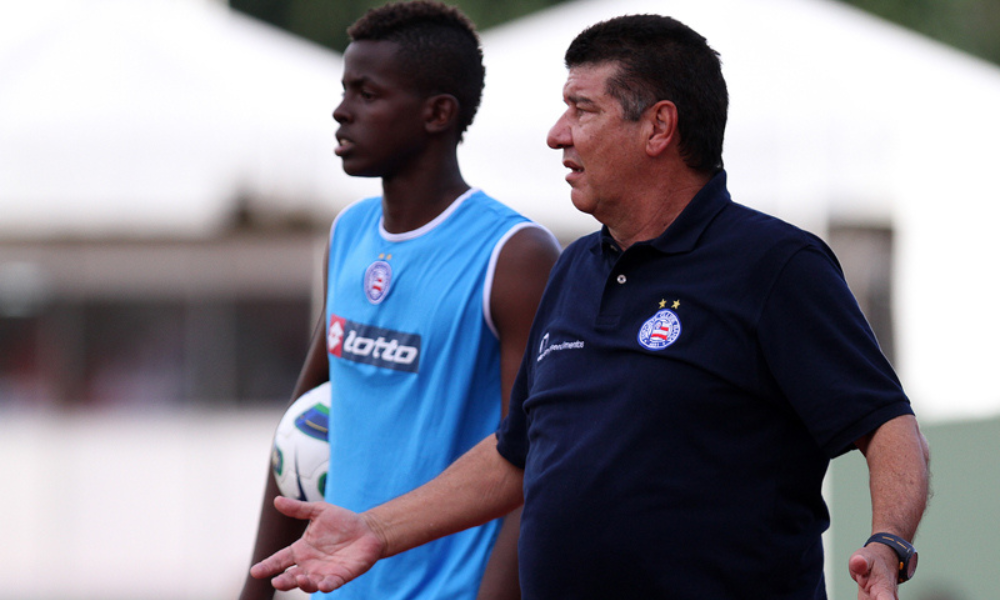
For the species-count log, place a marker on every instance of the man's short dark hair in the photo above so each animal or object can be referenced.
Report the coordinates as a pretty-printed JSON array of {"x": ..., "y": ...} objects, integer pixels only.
[
  {"x": 439, "y": 49},
  {"x": 660, "y": 58}
]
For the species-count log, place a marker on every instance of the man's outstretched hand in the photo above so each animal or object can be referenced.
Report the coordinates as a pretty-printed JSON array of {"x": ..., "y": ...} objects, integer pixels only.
[
  {"x": 337, "y": 546},
  {"x": 875, "y": 570}
]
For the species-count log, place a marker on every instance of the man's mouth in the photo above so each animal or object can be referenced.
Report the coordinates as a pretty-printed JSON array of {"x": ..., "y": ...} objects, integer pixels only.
[
  {"x": 343, "y": 145},
  {"x": 575, "y": 171}
]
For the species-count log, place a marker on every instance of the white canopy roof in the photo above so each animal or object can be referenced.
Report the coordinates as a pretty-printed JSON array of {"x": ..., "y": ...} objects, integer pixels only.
[
  {"x": 120, "y": 117},
  {"x": 825, "y": 103}
]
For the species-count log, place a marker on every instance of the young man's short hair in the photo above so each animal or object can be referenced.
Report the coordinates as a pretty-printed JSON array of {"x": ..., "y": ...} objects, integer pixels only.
[{"x": 439, "y": 49}]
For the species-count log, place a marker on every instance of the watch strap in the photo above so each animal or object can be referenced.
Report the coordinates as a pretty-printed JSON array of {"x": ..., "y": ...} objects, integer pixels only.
[{"x": 904, "y": 551}]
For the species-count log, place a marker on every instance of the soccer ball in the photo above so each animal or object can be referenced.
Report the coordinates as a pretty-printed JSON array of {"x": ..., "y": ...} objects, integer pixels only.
[{"x": 300, "y": 455}]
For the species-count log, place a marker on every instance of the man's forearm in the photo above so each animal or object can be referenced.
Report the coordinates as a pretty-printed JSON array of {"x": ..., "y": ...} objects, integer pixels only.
[
  {"x": 898, "y": 459},
  {"x": 479, "y": 486}
]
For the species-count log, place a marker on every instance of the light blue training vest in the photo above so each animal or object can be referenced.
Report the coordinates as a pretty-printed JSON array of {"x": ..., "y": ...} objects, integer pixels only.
[{"x": 415, "y": 373}]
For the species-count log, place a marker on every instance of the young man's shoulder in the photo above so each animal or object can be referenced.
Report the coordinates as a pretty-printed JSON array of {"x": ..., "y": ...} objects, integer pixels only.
[{"x": 488, "y": 206}]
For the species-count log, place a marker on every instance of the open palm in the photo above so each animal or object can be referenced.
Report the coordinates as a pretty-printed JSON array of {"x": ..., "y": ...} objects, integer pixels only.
[{"x": 337, "y": 546}]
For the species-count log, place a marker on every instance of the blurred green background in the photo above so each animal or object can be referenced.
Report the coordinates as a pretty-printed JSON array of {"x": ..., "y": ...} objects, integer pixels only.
[{"x": 969, "y": 25}]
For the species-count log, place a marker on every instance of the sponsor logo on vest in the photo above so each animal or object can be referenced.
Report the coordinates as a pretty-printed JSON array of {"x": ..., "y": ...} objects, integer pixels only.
[
  {"x": 660, "y": 330},
  {"x": 378, "y": 278},
  {"x": 545, "y": 347},
  {"x": 373, "y": 345}
]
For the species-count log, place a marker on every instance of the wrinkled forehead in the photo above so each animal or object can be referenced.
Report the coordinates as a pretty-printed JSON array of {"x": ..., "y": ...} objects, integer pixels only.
[{"x": 589, "y": 80}]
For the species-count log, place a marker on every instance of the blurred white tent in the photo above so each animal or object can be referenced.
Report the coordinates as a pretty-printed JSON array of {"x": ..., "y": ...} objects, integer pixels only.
[
  {"x": 159, "y": 117},
  {"x": 836, "y": 117},
  {"x": 153, "y": 118}
]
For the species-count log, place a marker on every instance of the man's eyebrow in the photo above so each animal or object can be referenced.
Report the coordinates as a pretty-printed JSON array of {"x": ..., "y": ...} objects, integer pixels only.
[
  {"x": 574, "y": 99},
  {"x": 357, "y": 80}
]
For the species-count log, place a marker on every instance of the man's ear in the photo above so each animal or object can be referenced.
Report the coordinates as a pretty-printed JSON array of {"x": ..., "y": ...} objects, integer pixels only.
[
  {"x": 663, "y": 131},
  {"x": 441, "y": 113}
]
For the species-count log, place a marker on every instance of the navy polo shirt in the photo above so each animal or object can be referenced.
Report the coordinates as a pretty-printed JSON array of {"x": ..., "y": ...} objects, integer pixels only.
[{"x": 678, "y": 405}]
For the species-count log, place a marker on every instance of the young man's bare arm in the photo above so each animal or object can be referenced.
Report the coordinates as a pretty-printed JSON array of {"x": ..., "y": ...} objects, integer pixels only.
[{"x": 275, "y": 530}]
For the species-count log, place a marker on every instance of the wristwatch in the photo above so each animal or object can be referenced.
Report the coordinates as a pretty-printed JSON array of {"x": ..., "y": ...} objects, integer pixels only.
[{"x": 904, "y": 550}]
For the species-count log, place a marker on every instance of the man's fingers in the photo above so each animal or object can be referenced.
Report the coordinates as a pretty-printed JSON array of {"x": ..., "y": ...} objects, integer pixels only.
[
  {"x": 294, "y": 508},
  {"x": 272, "y": 565},
  {"x": 305, "y": 583},
  {"x": 291, "y": 579},
  {"x": 874, "y": 581},
  {"x": 328, "y": 584},
  {"x": 860, "y": 566},
  {"x": 296, "y": 577},
  {"x": 284, "y": 583}
]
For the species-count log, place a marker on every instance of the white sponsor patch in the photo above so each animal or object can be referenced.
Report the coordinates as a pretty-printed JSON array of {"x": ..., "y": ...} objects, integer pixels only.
[{"x": 546, "y": 347}]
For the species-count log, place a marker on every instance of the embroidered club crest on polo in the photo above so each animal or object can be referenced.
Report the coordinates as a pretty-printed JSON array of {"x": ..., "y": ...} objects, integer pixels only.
[
  {"x": 660, "y": 330},
  {"x": 378, "y": 278}
]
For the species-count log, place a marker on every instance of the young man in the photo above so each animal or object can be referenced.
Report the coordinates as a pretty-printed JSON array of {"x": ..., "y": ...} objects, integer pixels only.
[
  {"x": 430, "y": 292},
  {"x": 691, "y": 371}
]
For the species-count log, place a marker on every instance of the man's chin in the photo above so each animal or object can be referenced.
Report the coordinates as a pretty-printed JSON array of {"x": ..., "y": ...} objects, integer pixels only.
[
  {"x": 581, "y": 202},
  {"x": 358, "y": 170}
]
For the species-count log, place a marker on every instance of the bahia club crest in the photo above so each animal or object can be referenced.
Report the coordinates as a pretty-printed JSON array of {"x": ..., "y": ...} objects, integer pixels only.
[
  {"x": 660, "y": 330},
  {"x": 378, "y": 278}
]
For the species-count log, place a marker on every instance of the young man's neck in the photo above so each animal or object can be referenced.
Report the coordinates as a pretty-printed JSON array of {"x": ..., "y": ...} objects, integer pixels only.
[{"x": 414, "y": 199}]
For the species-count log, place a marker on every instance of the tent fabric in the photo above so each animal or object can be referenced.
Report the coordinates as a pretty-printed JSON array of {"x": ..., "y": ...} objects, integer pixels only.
[{"x": 160, "y": 118}]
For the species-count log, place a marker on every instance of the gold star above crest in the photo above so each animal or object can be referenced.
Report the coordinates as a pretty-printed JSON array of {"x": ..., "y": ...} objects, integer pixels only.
[
  {"x": 381, "y": 256},
  {"x": 663, "y": 303},
  {"x": 676, "y": 304},
  {"x": 385, "y": 256}
]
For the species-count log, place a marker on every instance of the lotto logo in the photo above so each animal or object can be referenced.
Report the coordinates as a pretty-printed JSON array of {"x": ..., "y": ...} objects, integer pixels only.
[{"x": 372, "y": 345}]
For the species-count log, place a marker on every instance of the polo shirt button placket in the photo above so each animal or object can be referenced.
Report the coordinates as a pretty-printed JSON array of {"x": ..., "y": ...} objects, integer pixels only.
[{"x": 622, "y": 279}]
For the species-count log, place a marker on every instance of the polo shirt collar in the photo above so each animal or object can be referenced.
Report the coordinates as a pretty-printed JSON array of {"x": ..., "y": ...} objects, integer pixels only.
[{"x": 682, "y": 235}]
